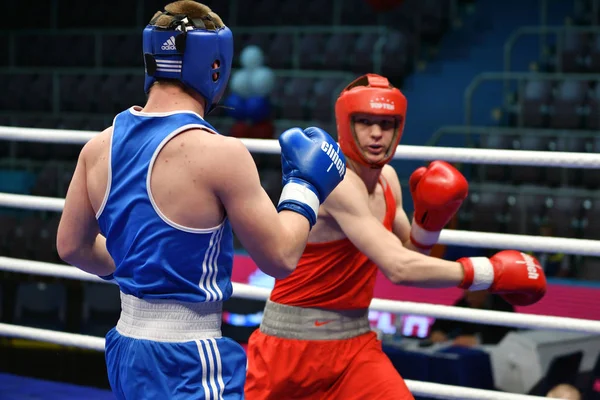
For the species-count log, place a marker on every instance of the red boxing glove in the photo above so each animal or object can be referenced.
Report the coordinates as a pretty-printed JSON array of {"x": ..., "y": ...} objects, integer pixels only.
[
  {"x": 516, "y": 276},
  {"x": 438, "y": 192}
]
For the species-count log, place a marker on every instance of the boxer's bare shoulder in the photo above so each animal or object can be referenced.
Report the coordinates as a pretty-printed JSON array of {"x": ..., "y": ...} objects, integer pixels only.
[
  {"x": 95, "y": 158},
  {"x": 211, "y": 157}
]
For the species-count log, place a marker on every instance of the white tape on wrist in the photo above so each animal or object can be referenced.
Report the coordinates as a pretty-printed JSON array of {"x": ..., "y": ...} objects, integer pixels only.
[
  {"x": 302, "y": 194},
  {"x": 423, "y": 237},
  {"x": 483, "y": 273}
]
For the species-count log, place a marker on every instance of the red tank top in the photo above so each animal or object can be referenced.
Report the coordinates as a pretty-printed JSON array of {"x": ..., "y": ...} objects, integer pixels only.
[{"x": 334, "y": 275}]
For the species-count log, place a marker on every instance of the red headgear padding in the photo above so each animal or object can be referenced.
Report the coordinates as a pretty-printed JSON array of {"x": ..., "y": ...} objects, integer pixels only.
[{"x": 369, "y": 94}]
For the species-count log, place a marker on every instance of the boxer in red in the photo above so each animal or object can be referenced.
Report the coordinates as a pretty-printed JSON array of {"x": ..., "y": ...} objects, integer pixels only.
[{"x": 315, "y": 341}]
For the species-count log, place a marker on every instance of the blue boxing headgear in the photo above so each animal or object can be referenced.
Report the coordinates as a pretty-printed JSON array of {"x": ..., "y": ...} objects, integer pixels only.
[{"x": 186, "y": 51}]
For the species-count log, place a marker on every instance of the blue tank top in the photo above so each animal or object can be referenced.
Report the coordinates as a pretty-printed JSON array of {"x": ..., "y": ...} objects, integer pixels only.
[{"x": 156, "y": 258}]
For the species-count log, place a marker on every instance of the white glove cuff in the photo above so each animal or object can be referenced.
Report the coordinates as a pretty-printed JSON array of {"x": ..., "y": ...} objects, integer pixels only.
[
  {"x": 483, "y": 273},
  {"x": 423, "y": 237},
  {"x": 296, "y": 192}
]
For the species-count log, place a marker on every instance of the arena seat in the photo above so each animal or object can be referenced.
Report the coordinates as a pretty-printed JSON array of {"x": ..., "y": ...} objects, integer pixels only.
[
  {"x": 315, "y": 12},
  {"x": 8, "y": 223},
  {"x": 573, "y": 52},
  {"x": 311, "y": 50},
  {"x": 361, "y": 57},
  {"x": 77, "y": 92},
  {"x": 357, "y": 12},
  {"x": 322, "y": 101},
  {"x": 46, "y": 182},
  {"x": 491, "y": 172},
  {"x": 41, "y": 305},
  {"x": 572, "y": 176},
  {"x": 44, "y": 240},
  {"x": 40, "y": 19},
  {"x": 16, "y": 181},
  {"x": 591, "y": 229},
  {"x": 527, "y": 213},
  {"x": 564, "y": 213},
  {"x": 337, "y": 51},
  {"x": 23, "y": 244},
  {"x": 18, "y": 88},
  {"x": 122, "y": 50},
  {"x": 567, "y": 105},
  {"x": 487, "y": 211},
  {"x": 105, "y": 102},
  {"x": 278, "y": 53},
  {"x": 531, "y": 174},
  {"x": 262, "y": 13},
  {"x": 35, "y": 150},
  {"x": 101, "y": 308},
  {"x": 535, "y": 207},
  {"x": 435, "y": 18},
  {"x": 594, "y": 54},
  {"x": 73, "y": 14},
  {"x": 55, "y": 50},
  {"x": 582, "y": 12},
  {"x": 293, "y": 104},
  {"x": 591, "y": 177},
  {"x": 395, "y": 60},
  {"x": 536, "y": 98},
  {"x": 592, "y": 120}
]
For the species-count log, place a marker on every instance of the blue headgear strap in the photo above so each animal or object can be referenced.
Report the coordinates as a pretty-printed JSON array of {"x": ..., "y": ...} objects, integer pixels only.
[{"x": 188, "y": 52}]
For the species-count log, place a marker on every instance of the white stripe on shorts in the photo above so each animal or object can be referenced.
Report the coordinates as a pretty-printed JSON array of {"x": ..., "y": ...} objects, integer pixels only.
[{"x": 204, "y": 370}]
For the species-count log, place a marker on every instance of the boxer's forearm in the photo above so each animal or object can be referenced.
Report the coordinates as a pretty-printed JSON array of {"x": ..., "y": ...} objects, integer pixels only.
[
  {"x": 93, "y": 258},
  {"x": 410, "y": 245},
  {"x": 410, "y": 268},
  {"x": 293, "y": 239}
]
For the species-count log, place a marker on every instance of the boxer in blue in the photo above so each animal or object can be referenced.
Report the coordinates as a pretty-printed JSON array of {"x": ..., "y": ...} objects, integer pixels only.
[{"x": 153, "y": 204}]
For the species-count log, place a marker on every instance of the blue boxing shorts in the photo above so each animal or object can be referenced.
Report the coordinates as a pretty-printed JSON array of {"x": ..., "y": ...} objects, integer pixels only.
[{"x": 167, "y": 351}]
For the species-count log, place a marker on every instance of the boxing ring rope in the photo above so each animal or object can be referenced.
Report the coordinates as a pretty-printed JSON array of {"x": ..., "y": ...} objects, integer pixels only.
[
  {"x": 405, "y": 152},
  {"x": 449, "y": 237},
  {"x": 244, "y": 291}
]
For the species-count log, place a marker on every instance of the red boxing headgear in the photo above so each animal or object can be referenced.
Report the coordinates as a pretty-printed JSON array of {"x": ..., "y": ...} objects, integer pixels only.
[{"x": 369, "y": 94}]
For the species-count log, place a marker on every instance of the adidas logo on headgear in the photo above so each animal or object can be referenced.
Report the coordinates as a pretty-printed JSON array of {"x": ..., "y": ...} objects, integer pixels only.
[{"x": 169, "y": 44}]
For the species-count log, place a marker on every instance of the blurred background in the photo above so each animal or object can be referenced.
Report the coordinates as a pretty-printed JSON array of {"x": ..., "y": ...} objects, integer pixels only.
[{"x": 511, "y": 74}]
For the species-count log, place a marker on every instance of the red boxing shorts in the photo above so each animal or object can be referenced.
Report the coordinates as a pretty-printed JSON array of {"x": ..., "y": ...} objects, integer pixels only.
[{"x": 345, "y": 369}]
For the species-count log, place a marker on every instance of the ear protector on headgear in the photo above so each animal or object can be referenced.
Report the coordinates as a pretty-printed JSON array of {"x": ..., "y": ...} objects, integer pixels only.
[
  {"x": 188, "y": 52},
  {"x": 369, "y": 94}
]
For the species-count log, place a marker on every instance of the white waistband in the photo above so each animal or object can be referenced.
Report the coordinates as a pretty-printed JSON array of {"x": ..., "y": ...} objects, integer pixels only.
[{"x": 169, "y": 320}]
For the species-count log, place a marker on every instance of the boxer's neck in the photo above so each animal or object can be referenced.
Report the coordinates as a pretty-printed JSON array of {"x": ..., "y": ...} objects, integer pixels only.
[
  {"x": 369, "y": 175},
  {"x": 165, "y": 97}
]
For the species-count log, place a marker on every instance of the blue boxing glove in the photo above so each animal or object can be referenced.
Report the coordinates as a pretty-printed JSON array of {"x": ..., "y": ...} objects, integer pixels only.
[{"x": 312, "y": 166}]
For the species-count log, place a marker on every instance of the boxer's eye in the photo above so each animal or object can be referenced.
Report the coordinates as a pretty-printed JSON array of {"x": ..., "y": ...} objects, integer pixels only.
[{"x": 386, "y": 125}]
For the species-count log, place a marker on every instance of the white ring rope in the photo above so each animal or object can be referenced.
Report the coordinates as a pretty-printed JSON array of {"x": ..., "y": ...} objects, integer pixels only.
[
  {"x": 449, "y": 237},
  {"x": 438, "y": 391},
  {"x": 31, "y": 202},
  {"x": 45, "y": 335},
  {"x": 405, "y": 152},
  {"x": 241, "y": 290}
]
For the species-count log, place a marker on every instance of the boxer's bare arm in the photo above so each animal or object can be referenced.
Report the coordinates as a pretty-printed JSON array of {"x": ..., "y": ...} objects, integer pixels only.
[
  {"x": 275, "y": 241},
  {"x": 348, "y": 204},
  {"x": 401, "y": 227},
  {"x": 78, "y": 240}
]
